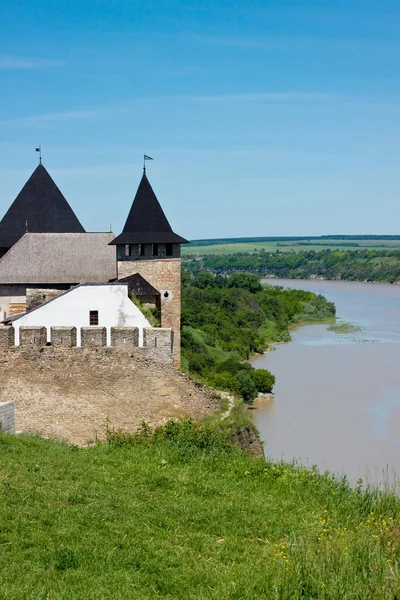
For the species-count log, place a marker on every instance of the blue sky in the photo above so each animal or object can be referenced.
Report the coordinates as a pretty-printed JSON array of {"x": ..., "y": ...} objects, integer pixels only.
[{"x": 263, "y": 117}]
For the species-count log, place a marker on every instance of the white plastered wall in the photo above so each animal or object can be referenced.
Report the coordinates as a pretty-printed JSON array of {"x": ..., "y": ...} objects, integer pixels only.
[{"x": 72, "y": 309}]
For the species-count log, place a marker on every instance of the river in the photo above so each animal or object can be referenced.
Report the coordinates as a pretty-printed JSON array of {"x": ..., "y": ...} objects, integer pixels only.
[{"x": 337, "y": 396}]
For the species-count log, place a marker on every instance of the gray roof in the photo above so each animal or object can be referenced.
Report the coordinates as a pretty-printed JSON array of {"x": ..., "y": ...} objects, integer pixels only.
[{"x": 60, "y": 258}]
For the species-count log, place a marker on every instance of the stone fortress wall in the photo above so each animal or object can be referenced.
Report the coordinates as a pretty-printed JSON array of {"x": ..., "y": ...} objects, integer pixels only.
[
  {"x": 75, "y": 393},
  {"x": 157, "y": 342}
]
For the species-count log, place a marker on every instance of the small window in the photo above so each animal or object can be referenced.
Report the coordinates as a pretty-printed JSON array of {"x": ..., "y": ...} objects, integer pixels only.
[
  {"x": 155, "y": 249},
  {"x": 168, "y": 249},
  {"x": 141, "y": 249},
  {"x": 93, "y": 317},
  {"x": 127, "y": 250}
]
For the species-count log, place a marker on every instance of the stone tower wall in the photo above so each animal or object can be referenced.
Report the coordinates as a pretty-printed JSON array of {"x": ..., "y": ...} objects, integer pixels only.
[{"x": 165, "y": 275}]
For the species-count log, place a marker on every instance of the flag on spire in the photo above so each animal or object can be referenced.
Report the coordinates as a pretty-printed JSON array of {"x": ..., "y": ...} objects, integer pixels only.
[
  {"x": 39, "y": 149},
  {"x": 145, "y": 157}
]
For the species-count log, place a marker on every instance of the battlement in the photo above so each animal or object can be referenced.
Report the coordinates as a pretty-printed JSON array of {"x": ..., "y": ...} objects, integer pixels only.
[{"x": 157, "y": 346}]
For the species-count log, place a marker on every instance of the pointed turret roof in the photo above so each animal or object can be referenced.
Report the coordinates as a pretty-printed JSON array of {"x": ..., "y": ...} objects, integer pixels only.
[
  {"x": 146, "y": 222},
  {"x": 40, "y": 207}
]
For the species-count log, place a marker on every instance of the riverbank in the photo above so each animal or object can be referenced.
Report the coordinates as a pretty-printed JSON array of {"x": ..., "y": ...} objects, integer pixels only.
[
  {"x": 300, "y": 279},
  {"x": 227, "y": 319},
  {"x": 341, "y": 384},
  {"x": 294, "y": 327}
]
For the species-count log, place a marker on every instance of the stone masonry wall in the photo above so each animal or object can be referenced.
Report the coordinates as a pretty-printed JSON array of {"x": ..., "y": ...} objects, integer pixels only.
[
  {"x": 37, "y": 296},
  {"x": 125, "y": 338},
  {"x": 33, "y": 337},
  {"x": 76, "y": 394},
  {"x": 6, "y": 337},
  {"x": 158, "y": 342},
  {"x": 93, "y": 337},
  {"x": 165, "y": 276},
  {"x": 64, "y": 337},
  {"x": 7, "y": 417}
]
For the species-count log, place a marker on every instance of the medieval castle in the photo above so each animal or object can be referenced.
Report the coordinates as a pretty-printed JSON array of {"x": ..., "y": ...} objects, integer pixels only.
[{"x": 45, "y": 252}]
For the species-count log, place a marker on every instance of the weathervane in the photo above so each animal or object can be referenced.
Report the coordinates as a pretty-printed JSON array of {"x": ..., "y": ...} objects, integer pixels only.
[
  {"x": 39, "y": 149},
  {"x": 145, "y": 157}
]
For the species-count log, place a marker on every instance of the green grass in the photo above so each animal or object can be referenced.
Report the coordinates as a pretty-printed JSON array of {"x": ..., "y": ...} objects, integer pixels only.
[
  {"x": 291, "y": 246},
  {"x": 186, "y": 516},
  {"x": 343, "y": 327}
]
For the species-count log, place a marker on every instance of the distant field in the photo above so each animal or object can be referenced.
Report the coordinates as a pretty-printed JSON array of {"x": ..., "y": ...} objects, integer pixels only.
[{"x": 286, "y": 245}]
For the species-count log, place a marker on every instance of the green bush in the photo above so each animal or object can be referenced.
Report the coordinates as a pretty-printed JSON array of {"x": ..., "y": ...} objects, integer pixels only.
[
  {"x": 264, "y": 380},
  {"x": 225, "y": 381},
  {"x": 185, "y": 433}
]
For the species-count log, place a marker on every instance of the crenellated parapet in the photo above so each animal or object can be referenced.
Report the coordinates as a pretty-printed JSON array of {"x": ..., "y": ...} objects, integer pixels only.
[
  {"x": 7, "y": 337},
  {"x": 157, "y": 341},
  {"x": 32, "y": 337}
]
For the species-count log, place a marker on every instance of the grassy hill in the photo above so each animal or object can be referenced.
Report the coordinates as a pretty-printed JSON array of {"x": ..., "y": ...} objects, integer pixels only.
[
  {"x": 185, "y": 515},
  {"x": 290, "y": 244}
]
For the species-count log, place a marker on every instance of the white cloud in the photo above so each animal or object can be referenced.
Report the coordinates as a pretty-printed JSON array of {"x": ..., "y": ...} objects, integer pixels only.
[
  {"x": 268, "y": 97},
  {"x": 8, "y": 61},
  {"x": 60, "y": 117},
  {"x": 133, "y": 105}
]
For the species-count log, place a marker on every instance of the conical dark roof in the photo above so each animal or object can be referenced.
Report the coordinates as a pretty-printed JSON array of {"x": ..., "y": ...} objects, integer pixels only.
[
  {"x": 146, "y": 222},
  {"x": 42, "y": 206}
]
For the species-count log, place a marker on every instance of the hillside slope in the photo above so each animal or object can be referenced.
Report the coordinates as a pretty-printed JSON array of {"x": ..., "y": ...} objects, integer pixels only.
[{"x": 185, "y": 516}]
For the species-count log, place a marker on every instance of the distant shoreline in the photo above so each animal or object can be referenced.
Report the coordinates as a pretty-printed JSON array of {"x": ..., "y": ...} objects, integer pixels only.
[{"x": 268, "y": 278}]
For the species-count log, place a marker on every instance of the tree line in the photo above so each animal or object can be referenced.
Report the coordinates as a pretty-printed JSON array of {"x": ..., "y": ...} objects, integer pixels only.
[{"x": 357, "y": 265}]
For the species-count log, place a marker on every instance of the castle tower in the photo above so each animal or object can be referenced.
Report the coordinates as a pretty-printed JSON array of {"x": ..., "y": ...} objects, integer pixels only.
[
  {"x": 40, "y": 207},
  {"x": 147, "y": 246}
]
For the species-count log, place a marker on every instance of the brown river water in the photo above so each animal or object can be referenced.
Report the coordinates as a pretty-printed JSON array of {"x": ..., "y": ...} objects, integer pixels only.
[{"x": 337, "y": 396}]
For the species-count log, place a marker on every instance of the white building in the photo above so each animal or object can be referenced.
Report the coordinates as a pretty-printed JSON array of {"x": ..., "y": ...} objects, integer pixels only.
[{"x": 105, "y": 305}]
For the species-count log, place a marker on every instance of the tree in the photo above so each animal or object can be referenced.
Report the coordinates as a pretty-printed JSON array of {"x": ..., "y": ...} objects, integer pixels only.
[
  {"x": 245, "y": 281},
  {"x": 263, "y": 380},
  {"x": 247, "y": 387}
]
